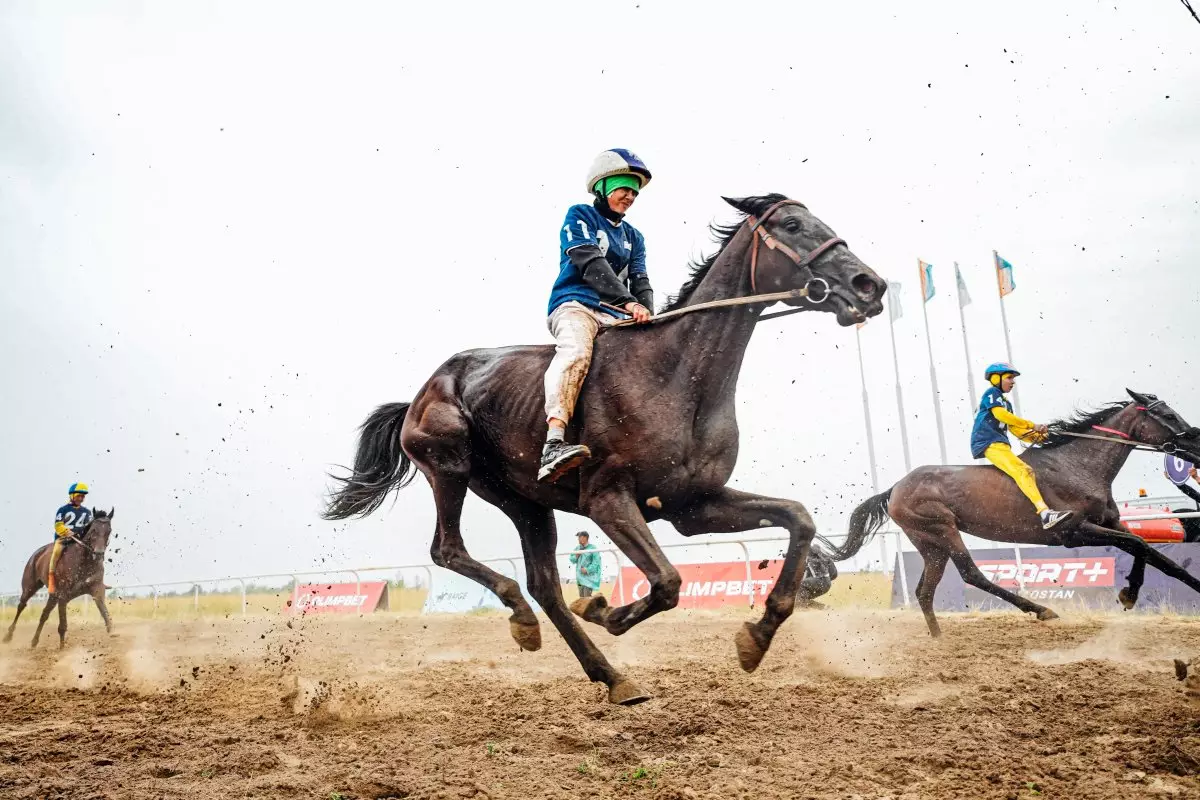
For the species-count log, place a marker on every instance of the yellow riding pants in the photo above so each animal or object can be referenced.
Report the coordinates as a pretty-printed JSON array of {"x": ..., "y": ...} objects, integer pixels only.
[
  {"x": 55, "y": 552},
  {"x": 1006, "y": 460}
]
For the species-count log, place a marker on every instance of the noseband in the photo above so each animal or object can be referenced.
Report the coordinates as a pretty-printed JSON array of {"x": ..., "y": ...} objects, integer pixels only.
[{"x": 801, "y": 262}]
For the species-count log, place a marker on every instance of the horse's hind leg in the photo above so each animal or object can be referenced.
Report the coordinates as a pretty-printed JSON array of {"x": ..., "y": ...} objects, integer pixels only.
[
  {"x": 24, "y": 601},
  {"x": 727, "y": 511},
  {"x": 971, "y": 574},
  {"x": 538, "y": 538},
  {"x": 439, "y": 444},
  {"x": 935, "y": 559},
  {"x": 51, "y": 602}
]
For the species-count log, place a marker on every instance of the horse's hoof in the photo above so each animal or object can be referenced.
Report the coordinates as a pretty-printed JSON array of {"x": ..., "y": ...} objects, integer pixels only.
[
  {"x": 750, "y": 652},
  {"x": 590, "y": 608},
  {"x": 8, "y": 638},
  {"x": 626, "y": 693},
  {"x": 1127, "y": 600},
  {"x": 527, "y": 636},
  {"x": 1045, "y": 615}
]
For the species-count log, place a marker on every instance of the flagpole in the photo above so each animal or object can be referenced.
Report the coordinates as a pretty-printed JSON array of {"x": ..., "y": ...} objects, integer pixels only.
[
  {"x": 1007, "y": 341},
  {"x": 962, "y": 318},
  {"x": 862, "y": 376},
  {"x": 937, "y": 405},
  {"x": 894, "y": 308},
  {"x": 900, "y": 399}
]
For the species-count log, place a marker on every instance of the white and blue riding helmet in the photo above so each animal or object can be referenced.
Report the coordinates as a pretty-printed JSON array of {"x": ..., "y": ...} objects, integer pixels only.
[{"x": 612, "y": 163}]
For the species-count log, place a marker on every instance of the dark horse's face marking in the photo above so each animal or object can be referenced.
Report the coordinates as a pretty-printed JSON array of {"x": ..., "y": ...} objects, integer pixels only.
[
  {"x": 1160, "y": 424},
  {"x": 97, "y": 533},
  {"x": 856, "y": 291}
]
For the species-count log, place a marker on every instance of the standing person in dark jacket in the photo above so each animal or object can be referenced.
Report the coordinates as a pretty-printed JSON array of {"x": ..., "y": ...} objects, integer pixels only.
[{"x": 1191, "y": 527}]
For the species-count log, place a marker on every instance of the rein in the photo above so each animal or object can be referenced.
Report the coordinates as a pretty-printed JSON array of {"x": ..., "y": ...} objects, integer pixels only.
[
  {"x": 1126, "y": 439},
  {"x": 815, "y": 291}
]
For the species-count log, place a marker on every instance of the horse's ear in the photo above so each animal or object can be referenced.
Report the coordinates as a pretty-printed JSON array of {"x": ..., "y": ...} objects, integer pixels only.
[
  {"x": 740, "y": 203},
  {"x": 111, "y": 513},
  {"x": 1137, "y": 397}
]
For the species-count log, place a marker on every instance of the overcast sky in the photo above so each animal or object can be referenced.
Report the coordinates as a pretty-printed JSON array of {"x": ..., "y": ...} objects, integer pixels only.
[{"x": 229, "y": 230}]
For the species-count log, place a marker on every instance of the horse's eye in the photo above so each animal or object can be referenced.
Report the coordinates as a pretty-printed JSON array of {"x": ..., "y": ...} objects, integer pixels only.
[{"x": 791, "y": 226}]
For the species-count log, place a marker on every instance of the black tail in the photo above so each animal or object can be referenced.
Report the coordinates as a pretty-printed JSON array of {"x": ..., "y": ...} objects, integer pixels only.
[
  {"x": 380, "y": 466},
  {"x": 865, "y": 522}
]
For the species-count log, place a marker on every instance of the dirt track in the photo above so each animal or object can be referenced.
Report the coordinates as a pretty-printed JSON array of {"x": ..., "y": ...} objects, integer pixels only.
[{"x": 847, "y": 703}]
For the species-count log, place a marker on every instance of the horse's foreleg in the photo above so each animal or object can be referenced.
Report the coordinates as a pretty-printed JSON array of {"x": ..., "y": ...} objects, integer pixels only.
[
  {"x": 51, "y": 602},
  {"x": 1090, "y": 533},
  {"x": 728, "y": 511},
  {"x": 617, "y": 513},
  {"x": 98, "y": 597},
  {"x": 62, "y": 624},
  {"x": 538, "y": 538},
  {"x": 1137, "y": 575}
]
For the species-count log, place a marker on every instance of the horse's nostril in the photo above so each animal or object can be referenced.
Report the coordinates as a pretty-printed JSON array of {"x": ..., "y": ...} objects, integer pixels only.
[{"x": 865, "y": 285}]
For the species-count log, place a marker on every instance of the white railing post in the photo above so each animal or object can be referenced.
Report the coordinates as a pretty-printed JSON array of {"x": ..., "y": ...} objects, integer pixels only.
[
  {"x": 749, "y": 577},
  {"x": 196, "y": 598},
  {"x": 295, "y": 592},
  {"x": 1020, "y": 569},
  {"x": 154, "y": 610},
  {"x": 900, "y": 567},
  {"x": 243, "y": 584},
  {"x": 357, "y": 581}
]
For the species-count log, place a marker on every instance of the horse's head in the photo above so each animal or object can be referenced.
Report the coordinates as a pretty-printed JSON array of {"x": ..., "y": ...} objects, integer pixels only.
[
  {"x": 1161, "y": 426},
  {"x": 97, "y": 533},
  {"x": 800, "y": 251}
]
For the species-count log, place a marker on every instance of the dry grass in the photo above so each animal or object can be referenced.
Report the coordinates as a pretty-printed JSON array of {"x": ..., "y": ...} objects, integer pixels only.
[{"x": 858, "y": 590}]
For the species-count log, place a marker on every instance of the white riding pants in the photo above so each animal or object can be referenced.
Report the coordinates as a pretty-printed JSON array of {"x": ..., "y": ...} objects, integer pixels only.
[{"x": 574, "y": 327}]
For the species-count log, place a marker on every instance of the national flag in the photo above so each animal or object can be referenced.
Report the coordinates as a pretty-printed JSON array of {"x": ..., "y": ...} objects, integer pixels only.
[
  {"x": 926, "y": 270},
  {"x": 1004, "y": 275},
  {"x": 964, "y": 297},
  {"x": 893, "y": 297}
]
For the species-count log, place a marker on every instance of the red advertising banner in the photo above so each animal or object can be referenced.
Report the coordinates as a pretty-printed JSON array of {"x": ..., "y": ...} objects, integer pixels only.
[
  {"x": 339, "y": 598},
  {"x": 1043, "y": 573},
  {"x": 711, "y": 585}
]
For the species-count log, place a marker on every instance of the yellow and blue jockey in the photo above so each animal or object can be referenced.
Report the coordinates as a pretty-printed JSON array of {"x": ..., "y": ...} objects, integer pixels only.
[
  {"x": 70, "y": 520},
  {"x": 989, "y": 438}
]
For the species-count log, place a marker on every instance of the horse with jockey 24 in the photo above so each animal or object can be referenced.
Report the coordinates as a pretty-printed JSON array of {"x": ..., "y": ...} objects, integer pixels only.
[
  {"x": 663, "y": 435},
  {"x": 80, "y": 571},
  {"x": 1075, "y": 466}
]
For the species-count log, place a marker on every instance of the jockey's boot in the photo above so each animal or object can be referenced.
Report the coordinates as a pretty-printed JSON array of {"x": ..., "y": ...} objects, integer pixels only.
[
  {"x": 559, "y": 458},
  {"x": 1050, "y": 518}
]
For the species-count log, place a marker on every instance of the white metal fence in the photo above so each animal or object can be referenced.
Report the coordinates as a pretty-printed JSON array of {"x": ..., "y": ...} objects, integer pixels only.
[{"x": 890, "y": 544}]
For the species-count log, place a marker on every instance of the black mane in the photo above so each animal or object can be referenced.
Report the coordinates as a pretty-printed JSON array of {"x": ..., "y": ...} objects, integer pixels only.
[
  {"x": 722, "y": 234},
  {"x": 1079, "y": 422}
]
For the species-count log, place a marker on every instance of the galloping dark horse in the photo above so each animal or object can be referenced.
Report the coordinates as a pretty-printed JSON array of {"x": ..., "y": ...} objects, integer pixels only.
[
  {"x": 657, "y": 410},
  {"x": 1075, "y": 469},
  {"x": 79, "y": 571}
]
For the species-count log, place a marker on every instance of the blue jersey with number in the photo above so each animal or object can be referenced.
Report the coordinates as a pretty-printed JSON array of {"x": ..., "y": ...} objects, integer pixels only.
[
  {"x": 988, "y": 430},
  {"x": 77, "y": 519},
  {"x": 621, "y": 245}
]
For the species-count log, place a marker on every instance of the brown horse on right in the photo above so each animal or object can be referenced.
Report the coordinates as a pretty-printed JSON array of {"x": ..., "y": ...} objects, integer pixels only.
[
  {"x": 79, "y": 571},
  {"x": 1075, "y": 468}
]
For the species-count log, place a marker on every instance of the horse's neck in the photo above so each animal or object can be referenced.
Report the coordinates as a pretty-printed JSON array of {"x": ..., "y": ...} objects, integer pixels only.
[
  {"x": 1102, "y": 459},
  {"x": 709, "y": 346}
]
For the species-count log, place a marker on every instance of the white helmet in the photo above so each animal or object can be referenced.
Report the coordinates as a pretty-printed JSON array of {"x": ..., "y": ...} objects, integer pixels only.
[{"x": 617, "y": 161}]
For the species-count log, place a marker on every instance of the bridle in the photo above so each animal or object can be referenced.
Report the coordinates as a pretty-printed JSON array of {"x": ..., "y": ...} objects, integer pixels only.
[
  {"x": 815, "y": 291},
  {"x": 84, "y": 544},
  {"x": 1170, "y": 447},
  {"x": 772, "y": 243}
]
